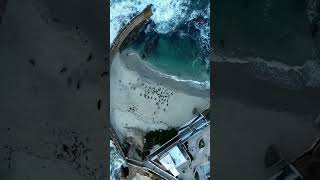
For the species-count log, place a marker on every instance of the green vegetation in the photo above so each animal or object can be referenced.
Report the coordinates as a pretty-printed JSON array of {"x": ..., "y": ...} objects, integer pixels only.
[{"x": 157, "y": 137}]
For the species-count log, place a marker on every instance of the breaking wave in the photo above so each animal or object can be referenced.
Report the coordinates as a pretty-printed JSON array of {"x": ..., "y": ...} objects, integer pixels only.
[
  {"x": 116, "y": 162},
  {"x": 167, "y": 16}
]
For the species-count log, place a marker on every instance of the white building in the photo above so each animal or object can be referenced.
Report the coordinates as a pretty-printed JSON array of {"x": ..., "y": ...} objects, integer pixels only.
[{"x": 172, "y": 160}]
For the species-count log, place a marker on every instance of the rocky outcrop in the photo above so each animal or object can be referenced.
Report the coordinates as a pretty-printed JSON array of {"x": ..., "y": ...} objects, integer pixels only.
[
  {"x": 124, "y": 171},
  {"x": 149, "y": 37},
  {"x": 150, "y": 45},
  {"x": 133, "y": 36}
]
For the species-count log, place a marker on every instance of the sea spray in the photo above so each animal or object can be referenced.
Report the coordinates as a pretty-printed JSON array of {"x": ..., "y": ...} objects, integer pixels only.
[
  {"x": 116, "y": 161},
  {"x": 169, "y": 17},
  {"x": 167, "y": 14}
]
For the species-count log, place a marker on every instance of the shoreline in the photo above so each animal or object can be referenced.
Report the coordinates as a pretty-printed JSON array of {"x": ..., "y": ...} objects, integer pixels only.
[
  {"x": 140, "y": 104},
  {"x": 192, "y": 87}
]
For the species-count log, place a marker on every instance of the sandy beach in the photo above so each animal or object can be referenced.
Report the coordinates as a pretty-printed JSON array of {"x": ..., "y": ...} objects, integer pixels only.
[
  {"x": 142, "y": 103},
  {"x": 50, "y": 89}
]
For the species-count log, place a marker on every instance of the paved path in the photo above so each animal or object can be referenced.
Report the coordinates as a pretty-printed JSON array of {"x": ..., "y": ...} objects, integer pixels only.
[{"x": 137, "y": 20}]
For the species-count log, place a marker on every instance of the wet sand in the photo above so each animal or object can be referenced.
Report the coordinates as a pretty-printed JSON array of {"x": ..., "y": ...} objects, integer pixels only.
[
  {"x": 141, "y": 103},
  {"x": 50, "y": 90}
]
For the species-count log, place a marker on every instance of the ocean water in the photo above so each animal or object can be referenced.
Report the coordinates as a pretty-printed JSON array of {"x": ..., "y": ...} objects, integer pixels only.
[
  {"x": 185, "y": 56},
  {"x": 183, "y": 50},
  {"x": 179, "y": 59},
  {"x": 115, "y": 161}
]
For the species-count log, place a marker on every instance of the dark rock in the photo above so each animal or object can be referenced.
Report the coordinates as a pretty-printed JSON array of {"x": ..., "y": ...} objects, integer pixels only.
[
  {"x": 63, "y": 69},
  {"x": 32, "y": 62},
  {"x": 78, "y": 84},
  {"x": 99, "y": 104},
  {"x": 150, "y": 46},
  {"x": 194, "y": 111},
  {"x": 105, "y": 73},
  {"x": 146, "y": 31},
  {"x": 89, "y": 58},
  {"x": 124, "y": 171}
]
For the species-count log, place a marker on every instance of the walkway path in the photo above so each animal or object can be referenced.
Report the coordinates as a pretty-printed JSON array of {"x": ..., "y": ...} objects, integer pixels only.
[{"x": 137, "y": 20}]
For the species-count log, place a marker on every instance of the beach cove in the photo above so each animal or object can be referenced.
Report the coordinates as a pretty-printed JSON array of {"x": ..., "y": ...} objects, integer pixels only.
[{"x": 141, "y": 101}]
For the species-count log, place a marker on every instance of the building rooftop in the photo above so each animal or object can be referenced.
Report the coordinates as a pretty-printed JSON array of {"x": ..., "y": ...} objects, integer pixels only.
[{"x": 172, "y": 160}]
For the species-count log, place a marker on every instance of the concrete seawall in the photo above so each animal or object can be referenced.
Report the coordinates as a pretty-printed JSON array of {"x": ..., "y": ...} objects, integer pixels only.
[{"x": 136, "y": 21}]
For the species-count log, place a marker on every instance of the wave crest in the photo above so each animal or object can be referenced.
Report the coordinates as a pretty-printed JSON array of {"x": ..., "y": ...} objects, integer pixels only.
[{"x": 167, "y": 14}]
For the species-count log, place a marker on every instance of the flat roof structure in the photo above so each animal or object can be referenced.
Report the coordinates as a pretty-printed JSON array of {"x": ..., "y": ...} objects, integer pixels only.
[
  {"x": 168, "y": 163},
  {"x": 172, "y": 160},
  {"x": 177, "y": 156}
]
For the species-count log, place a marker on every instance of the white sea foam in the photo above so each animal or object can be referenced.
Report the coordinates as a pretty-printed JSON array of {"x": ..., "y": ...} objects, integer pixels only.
[
  {"x": 167, "y": 14},
  {"x": 115, "y": 161},
  {"x": 201, "y": 85},
  {"x": 203, "y": 27}
]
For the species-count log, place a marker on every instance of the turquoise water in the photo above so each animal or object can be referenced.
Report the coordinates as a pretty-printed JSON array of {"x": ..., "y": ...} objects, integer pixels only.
[{"x": 178, "y": 57}]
